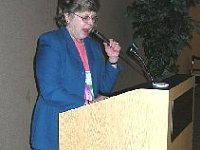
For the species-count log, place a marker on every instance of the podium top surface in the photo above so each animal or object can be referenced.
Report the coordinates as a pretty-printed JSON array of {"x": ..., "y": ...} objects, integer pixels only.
[{"x": 172, "y": 81}]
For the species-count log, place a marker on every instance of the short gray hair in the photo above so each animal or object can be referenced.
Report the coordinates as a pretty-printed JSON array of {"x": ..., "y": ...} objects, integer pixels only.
[{"x": 71, "y": 6}]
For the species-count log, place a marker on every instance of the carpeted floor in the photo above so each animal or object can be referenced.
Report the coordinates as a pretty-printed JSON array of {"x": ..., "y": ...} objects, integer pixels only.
[{"x": 196, "y": 133}]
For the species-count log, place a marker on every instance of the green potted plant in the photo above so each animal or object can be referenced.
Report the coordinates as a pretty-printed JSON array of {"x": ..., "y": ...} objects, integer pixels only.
[{"x": 164, "y": 28}]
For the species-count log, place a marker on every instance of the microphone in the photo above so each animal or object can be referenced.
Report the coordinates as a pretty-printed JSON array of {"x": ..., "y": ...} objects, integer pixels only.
[
  {"x": 132, "y": 51},
  {"x": 99, "y": 36}
]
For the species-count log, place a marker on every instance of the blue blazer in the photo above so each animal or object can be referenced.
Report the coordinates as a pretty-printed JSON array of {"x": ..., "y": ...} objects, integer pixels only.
[{"x": 61, "y": 80}]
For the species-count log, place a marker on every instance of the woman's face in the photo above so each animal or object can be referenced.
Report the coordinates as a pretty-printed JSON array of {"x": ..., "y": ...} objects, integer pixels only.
[{"x": 80, "y": 24}]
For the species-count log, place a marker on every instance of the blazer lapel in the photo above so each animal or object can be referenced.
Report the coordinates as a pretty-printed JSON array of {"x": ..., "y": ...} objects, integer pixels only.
[{"x": 70, "y": 45}]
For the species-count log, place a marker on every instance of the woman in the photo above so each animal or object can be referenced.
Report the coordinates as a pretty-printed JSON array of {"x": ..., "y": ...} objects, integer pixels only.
[{"x": 70, "y": 69}]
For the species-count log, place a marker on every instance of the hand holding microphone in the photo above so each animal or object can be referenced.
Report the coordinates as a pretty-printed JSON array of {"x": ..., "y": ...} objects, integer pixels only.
[{"x": 112, "y": 47}]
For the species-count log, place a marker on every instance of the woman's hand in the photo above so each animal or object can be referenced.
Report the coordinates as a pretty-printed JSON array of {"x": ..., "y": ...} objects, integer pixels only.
[
  {"x": 99, "y": 98},
  {"x": 112, "y": 50}
]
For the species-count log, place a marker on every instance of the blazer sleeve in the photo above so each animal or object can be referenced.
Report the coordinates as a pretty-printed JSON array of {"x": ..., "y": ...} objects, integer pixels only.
[
  {"x": 111, "y": 75},
  {"x": 48, "y": 72}
]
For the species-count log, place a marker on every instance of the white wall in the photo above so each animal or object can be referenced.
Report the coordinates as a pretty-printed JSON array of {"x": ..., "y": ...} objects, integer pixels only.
[{"x": 21, "y": 23}]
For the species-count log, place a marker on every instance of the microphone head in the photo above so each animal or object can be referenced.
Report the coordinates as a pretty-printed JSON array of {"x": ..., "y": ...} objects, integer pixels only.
[
  {"x": 93, "y": 31},
  {"x": 133, "y": 47},
  {"x": 132, "y": 50}
]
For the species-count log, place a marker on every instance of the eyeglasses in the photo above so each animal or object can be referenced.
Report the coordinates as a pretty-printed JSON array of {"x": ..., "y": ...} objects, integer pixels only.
[{"x": 87, "y": 18}]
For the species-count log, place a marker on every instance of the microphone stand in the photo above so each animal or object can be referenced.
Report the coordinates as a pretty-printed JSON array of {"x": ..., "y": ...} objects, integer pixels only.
[{"x": 132, "y": 51}]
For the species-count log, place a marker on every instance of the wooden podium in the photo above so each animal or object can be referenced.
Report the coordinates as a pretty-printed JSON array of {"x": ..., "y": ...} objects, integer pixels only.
[{"x": 140, "y": 119}]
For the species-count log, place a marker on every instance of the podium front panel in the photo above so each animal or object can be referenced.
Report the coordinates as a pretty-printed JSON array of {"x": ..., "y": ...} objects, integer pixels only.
[{"x": 135, "y": 120}]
